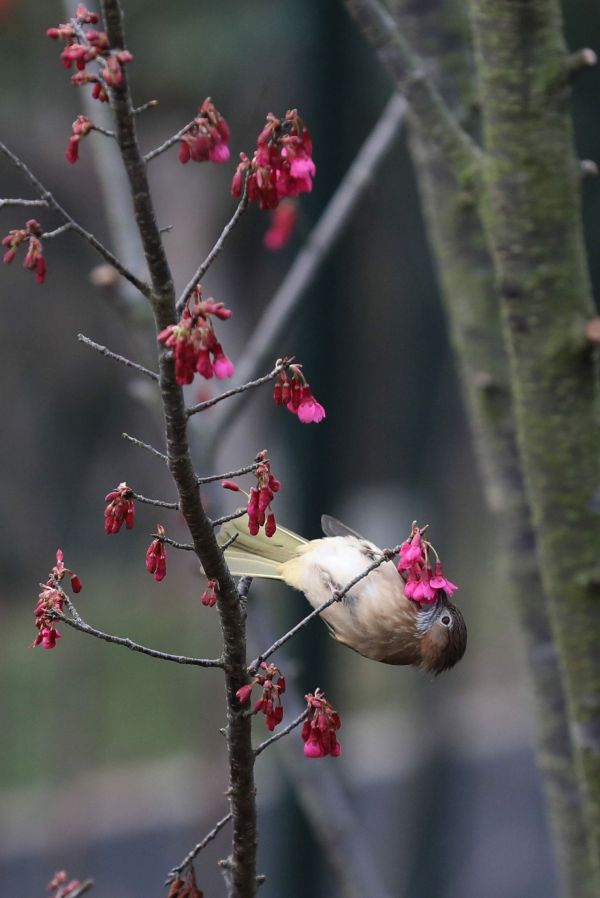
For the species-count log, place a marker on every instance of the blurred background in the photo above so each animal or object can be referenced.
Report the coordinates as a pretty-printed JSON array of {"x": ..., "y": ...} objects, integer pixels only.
[{"x": 112, "y": 765}]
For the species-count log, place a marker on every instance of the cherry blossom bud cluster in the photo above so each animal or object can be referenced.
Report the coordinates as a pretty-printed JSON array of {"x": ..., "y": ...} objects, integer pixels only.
[
  {"x": 119, "y": 509},
  {"x": 282, "y": 164},
  {"x": 89, "y": 45},
  {"x": 60, "y": 886},
  {"x": 34, "y": 257},
  {"x": 292, "y": 390},
  {"x": 156, "y": 556},
  {"x": 320, "y": 727},
  {"x": 260, "y": 513},
  {"x": 80, "y": 128},
  {"x": 283, "y": 222},
  {"x": 206, "y": 139},
  {"x": 272, "y": 683},
  {"x": 423, "y": 585},
  {"x": 209, "y": 596},
  {"x": 194, "y": 342},
  {"x": 52, "y": 600},
  {"x": 182, "y": 888}
]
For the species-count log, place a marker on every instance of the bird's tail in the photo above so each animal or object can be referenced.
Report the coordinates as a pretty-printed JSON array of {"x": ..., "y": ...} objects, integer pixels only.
[{"x": 258, "y": 556}]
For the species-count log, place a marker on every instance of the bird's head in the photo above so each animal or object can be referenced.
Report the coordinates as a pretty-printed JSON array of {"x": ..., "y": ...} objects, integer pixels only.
[{"x": 443, "y": 636}]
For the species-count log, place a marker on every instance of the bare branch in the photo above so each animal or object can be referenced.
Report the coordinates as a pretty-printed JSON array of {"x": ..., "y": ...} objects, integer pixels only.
[
  {"x": 288, "y": 729},
  {"x": 229, "y": 517},
  {"x": 151, "y": 104},
  {"x": 145, "y": 446},
  {"x": 281, "y": 310},
  {"x": 117, "y": 358},
  {"x": 82, "y": 888},
  {"x": 19, "y": 202},
  {"x": 158, "y": 502},
  {"x": 337, "y": 596},
  {"x": 168, "y": 143},
  {"x": 212, "y": 478},
  {"x": 48, "y": 235},
  {"x": 203, "y": 268},
  {"x": 209, "y": 403},
  {"x": 186, "y": 547},
  {"x": 52, "y": 203},
  {"x": 79, "y": 624},
  {"x": 197, "y": 849}
]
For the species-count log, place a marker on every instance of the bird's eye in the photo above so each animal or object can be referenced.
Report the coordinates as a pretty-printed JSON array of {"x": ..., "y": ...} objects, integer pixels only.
[{"x": 446, "y": 620}]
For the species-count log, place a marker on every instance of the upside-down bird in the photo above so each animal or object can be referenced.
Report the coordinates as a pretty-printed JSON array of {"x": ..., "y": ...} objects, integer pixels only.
[{"x": 375, "y": 618}]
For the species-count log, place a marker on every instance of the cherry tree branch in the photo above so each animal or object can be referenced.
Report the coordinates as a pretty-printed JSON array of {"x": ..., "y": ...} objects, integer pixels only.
[
  {"x": 116, "y": 357},
  {"x": 7, "y": 201},
  {"x": 175, "y": 871},
  {"x": 280, "y": 365},
  {"x": 145, "y": 446},
  {"x": 158, "y": 502},
  {"x": 288, "y": 729},
  {"x": 78, "y": 624},
  {"x": 203, "y": 268},
  {"x": 52, "y": 203},
  {"x": 169, "y": 142}
]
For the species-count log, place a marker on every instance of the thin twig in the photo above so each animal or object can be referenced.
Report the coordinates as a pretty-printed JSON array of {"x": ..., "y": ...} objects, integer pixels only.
[
  {"x": 197, "y": 849},
  {"x": 7, "y": 201},
  {"x": 104, "y": 131},
  {"x": 82, "y": 888},
  {"x": 54, "y": 204},
  {"x": 158, "y": 502},
  {"x": 208, "y": 403},
  {"x": 288, "y": 729},
  {"x": 337, "y": 596},
  {"x": 229, "y": 542},
  {"x": 79, "y": 624},
  {"x": 203, "y": 268},
  {"x": 118, "y": 358},
  {"x": 151, "y": 104},
  {"x": 186, "y": 547},
  {"x": 168, "y": 143},
  {"x": 145, "y": 446},
  {"x": 281, "y": 310},
  {"x": 212, "y": 478},
  {"x": 48, "y": 235},
  {"x": 229, "y": 517}
]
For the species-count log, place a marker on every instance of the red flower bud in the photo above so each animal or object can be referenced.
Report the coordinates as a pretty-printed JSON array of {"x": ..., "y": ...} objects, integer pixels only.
[{"x": 230, "y": 485}]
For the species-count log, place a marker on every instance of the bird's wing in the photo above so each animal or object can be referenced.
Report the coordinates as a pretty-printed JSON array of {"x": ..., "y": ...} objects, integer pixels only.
[{"x": 332, "y": 527}]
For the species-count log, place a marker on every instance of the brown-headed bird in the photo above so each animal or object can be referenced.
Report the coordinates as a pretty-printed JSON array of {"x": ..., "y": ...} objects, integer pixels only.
[{"x": 375, "y": 618}]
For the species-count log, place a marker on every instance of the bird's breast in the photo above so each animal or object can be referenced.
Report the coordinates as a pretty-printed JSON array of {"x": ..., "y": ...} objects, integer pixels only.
[{"x": 374, "y": 618}]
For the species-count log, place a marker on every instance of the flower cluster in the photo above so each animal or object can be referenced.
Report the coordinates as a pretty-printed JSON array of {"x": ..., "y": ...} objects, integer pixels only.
[
  {"x": 320, "y": 727},
  {"x": 85, "y": 46},
  {"x": 293, "y": 391},
  {"x": 79, "y": 129},
  {"x": 206, "y": 139},
  {"x": 283, "y": 221},
  {"x": 61, "y": 886},
  {"x": 51, "y": 600},
  {"x": 282, "y": 164},
  {"x": 182, "y": 888},
  {"x": 209, "y": 596},
  {"x": 273, "y": 686},
  {"x": 259, "y": 508},
  {"x": 156, "y": 556},
  {"x": 194, "y": 342},
  {"x": 423, "y": 585},
  {"x": 119, "y": 509},
  {"x": 34, "y": 258}
]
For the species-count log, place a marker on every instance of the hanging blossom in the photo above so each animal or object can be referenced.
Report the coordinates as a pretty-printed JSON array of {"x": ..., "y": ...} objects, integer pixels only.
[
  {"x": 320, "y": 727},
  {"x": 283, "y": 222},
  {"x": 34, "y": 257},
  {"x": 209, "y": 596},
  {"x": 84, "y": 46},
  {"x": 156, "y": 556},
  {"x": 80, "y": 128},
  {"x": 194, "y": 342},
  {"x": 282, "y": 164},
  {"x": 423, "y": 585},
  {"x": 119, "y": 509},
  {"x": 272, "y": 682},
  {"x": 293, "y": 390},
  {"x": 51, "y": 600},
  {"x": 185, "y": 888},
  {"x": 207, "y": 138},
  {"x": 61, "y": 886},
  {"x": 260, "y": 513}
]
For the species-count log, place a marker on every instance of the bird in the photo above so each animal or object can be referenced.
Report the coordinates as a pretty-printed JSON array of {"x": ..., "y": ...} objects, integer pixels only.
[{"x": 374, "y": 618}]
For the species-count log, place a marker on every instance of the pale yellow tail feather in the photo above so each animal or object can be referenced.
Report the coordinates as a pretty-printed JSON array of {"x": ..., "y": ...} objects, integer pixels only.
[{"x": 258, "y": 556}]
